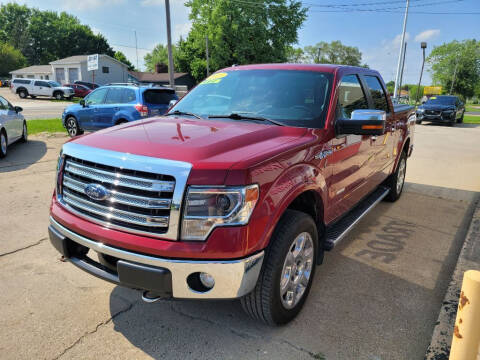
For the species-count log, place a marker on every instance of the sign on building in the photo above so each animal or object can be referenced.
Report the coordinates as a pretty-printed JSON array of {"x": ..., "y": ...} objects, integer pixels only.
[
  {"x": 92, "y": 62},
  {"x": 432, "y": 90}
]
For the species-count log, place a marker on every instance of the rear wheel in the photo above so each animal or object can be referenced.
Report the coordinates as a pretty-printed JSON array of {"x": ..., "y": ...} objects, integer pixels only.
[
  {"x": 22, "y": 93},
  {"x": 287, "y": 272},
  {"x": 3, "y": 144},
  {"x": 396, "y": 181},
  {"x": 72, "y": 127}
]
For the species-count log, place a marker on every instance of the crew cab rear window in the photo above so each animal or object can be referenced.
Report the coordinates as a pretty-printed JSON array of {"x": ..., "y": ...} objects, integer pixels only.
[
  {"x": 377, "y": 92},
  {"x": 350, "y": 97},
  {"x": 158, "y": 97},
  {"x": 42, "y": 83}
]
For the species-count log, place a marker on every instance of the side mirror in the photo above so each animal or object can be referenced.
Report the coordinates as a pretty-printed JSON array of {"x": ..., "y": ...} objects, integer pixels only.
[
  {"x": 18, "y": 109},
  {"x": 83, "y": 103},
  {"x": 363, "y": 122},
  {"x": 172, "y": 103}
]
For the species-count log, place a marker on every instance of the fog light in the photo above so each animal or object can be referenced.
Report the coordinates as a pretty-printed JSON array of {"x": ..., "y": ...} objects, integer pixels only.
[{"x": 207, "y": 280}]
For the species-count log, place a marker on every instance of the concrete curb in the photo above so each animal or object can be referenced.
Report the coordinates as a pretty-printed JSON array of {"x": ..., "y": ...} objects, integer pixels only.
[{"x": 469, "y": 259}]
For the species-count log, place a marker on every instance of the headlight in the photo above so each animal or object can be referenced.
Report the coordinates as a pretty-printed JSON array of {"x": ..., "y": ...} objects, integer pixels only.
[
  {"x": 59, "y": 173},
  {"x": 209, "y": 207},
  {"x": 420, "y": 110}
]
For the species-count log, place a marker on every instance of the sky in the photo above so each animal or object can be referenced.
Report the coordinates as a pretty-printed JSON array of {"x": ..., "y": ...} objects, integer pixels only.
[{"x": 376, "y": 34}]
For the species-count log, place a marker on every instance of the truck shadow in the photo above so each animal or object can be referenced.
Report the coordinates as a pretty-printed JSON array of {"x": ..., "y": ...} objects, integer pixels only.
[
  {"x": 377, "y": 295},
  {"x": 22, "y": 155}
]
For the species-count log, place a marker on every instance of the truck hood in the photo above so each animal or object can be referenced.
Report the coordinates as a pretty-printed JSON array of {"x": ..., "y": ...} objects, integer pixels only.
[{"x": 206, "y": 144}]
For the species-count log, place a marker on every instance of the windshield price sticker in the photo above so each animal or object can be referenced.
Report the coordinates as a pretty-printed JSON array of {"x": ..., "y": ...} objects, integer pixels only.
[{"x": 214, "y": 79}]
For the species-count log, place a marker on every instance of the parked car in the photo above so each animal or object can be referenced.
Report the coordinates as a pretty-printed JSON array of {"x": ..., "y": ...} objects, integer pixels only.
[
  {"x": 35, "y": 87},
  {"x": 80, "y": 90},
  {"x": 113, "y": 105},
  {"x": 13, "y": 126},
  {"x": 446, "y": 109},
  {"x": 238, "y": 190},
  {"x": 91, "y": 86}
]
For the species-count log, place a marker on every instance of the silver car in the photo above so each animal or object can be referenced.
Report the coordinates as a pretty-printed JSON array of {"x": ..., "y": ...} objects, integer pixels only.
[{"x": 13, "y": 126}]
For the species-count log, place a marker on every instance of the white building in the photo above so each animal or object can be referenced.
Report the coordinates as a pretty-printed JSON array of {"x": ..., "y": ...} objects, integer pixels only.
[
  {"x": 34, "y": 72},
  {"x": 74, "y": 68}
]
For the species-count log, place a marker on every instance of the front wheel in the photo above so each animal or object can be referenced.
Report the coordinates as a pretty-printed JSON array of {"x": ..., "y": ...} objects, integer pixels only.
[
  {"x": 58, "y": 95},
  {"x": 72, "y": 127},
  {"x": 287, "y": 271},
  {"x": 461, "y": 118},
  {"x": 396, "y": 181},
  {"x": 25, "y": 132},
  {"x": 3, "y": 144}
]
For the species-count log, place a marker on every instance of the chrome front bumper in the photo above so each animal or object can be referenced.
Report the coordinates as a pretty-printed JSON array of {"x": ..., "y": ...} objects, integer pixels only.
[{"x": 233, "y": 278}]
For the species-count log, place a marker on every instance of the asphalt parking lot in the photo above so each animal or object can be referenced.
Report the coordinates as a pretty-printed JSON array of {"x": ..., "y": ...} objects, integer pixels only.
[
  {"x": 38, "y": 108},
  {"x": 377, "y": 295}
]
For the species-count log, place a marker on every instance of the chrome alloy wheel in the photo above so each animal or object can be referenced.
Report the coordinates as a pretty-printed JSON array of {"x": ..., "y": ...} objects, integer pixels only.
[
  {"x": 71, "y": 126},
  {"x": 3, "y": 143},
  {"x": 297, "y": 269},
  {"x": 401, "y": 175}
]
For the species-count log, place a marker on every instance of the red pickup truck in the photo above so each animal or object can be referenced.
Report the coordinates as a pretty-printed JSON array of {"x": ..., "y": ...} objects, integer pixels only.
[{"x": 238, "y": 190}]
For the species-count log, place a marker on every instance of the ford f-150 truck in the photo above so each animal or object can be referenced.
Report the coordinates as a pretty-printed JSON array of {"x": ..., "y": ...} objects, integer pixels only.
[{"x": 238, "y": 190}]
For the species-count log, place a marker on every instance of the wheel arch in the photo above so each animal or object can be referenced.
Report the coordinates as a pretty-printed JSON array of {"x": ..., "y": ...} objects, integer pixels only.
[{"x": 20, "y": 88}]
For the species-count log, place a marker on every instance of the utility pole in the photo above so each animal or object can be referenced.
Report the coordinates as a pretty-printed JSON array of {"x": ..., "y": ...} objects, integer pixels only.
[
  {"x": 454, "y": 77},
  {"x": 423, "y": 46},
  {"x": 136, "y": 48},
  {"x": 169, "y": 45},
  {"x": 403, "y": 66},
  {"x": 318, "y": 55},
  {"x": 206, "y": 52},
  {"x": 402, "y": 45}
]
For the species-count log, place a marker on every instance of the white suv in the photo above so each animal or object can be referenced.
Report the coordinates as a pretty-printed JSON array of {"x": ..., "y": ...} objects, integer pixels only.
[{"x": 35, "y": 87}]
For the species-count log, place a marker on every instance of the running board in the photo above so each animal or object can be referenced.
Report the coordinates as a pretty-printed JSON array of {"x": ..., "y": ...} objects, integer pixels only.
[{"x": 336, "y": 232}]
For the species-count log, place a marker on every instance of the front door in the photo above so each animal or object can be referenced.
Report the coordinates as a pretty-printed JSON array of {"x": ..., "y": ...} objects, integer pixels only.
[
  {"x": 350, "y": 154},
  {"x": 88, "y": 117},
  {"x": 41, "y": 88},
  {"x": 382, "y": 144}
]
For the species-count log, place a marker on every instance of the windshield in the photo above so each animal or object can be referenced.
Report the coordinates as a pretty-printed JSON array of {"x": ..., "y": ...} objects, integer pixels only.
[
  {"x": 54, "y": 83},
  {"x": 441, "y": 100},
  {"x": 294, "y": 98}
]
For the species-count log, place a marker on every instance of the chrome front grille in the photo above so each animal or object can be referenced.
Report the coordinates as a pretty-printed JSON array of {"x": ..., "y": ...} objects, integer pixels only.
[{"x": 141, "y": 195}]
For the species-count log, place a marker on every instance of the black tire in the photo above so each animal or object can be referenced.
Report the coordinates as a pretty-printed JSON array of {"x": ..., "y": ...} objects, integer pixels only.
[
  {"x": 393, "y": 181},
  {"x": 265, "y": 303},
  {"x": 33, "y": 96},
  {"x": 22, "y": 93},
  {"x": 3, "y": 144},
  {"x": 58, "y": 95},
  {"x": 25, "y": 132},
  {"x": 418, "y": 122},
  {"x": 460, "y": 121},
  {"x": 121, "y": 121},
  {"x": 70, "y": 98},
  {"x": 73, "y": 129}
]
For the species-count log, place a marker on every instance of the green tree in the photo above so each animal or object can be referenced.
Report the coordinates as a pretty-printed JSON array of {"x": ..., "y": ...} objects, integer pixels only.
[
  {"x": 239, "y": 33},
  {"x": 390, "y": 86},
  {"x": 295, "y": 55},
  {"x": 333, "y": 53},
  {"x": 465, "y": 57},
  {"x": 159, "y": 55},
  {"x": 122, "y": 58},
  {"x": 412, "y": 92},
  {"x": 10, "y": 59},
  {"x": 44, "y": 36}
]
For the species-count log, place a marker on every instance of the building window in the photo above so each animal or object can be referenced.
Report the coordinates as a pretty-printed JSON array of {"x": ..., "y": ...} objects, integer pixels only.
[
  {"x": 46, "y": 77},
  {"x": 105, "y": 69}
]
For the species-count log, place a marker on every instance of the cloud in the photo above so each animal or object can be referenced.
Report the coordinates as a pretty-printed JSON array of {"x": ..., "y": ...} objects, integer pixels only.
[
  {"x": 427, "y": 35},
  {"x": 89, "y": 4},
  {"x": 181, "y": 30}
]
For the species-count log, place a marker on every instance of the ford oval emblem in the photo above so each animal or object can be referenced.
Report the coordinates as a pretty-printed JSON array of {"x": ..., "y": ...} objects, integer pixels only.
[{"x": 96, "y": 192}]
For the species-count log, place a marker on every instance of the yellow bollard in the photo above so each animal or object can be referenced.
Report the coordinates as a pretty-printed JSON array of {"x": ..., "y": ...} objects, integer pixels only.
[{"x": 466, "y": 333}]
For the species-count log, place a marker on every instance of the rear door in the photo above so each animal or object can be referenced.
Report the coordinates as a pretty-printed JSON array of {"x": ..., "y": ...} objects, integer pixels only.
[
  {"x": 112, "y": 106},
  {"x": 351, "y": 153},
  {"x": 382, "y": 145},
  {"x": 158, "y": 100}
]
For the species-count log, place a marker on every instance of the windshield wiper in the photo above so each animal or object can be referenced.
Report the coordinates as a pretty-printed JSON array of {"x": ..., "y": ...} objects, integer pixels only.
[
  {"x": 237, "y": 116},
  {"x": 178, "y": 112}
]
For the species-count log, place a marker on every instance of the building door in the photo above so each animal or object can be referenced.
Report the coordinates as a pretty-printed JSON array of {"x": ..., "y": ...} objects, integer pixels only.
[
  {"x": 60, "y": 75},
  {"x": 72, "y": 75}
]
